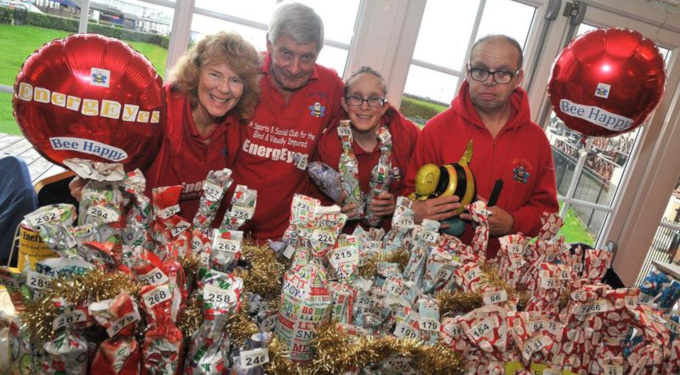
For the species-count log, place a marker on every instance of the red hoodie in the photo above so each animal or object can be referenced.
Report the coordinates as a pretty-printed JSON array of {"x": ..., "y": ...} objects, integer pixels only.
[
  {"x": 520, "y": 155},
  {"x": 404, "y": 136}
]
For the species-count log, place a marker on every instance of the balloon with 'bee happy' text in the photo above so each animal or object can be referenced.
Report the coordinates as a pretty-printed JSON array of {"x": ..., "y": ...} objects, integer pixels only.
[
  {"x": 91, "y": 97},
  {"x": 607, "y": 82}
]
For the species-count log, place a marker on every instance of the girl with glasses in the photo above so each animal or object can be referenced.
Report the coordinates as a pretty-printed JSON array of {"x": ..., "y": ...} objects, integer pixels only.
[{"x": 368, "y": 110}]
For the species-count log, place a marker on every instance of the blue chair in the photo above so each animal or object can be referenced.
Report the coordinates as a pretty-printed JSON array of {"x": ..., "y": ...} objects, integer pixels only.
[{"x": 17, "y": 198}]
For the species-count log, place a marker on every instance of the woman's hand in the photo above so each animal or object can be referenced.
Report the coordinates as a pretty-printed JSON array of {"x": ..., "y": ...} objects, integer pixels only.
[
  {"x": 383, "y": 204},
  {"x": 76, "y": 186}
]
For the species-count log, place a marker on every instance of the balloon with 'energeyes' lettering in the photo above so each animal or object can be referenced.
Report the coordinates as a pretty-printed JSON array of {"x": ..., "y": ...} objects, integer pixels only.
[
  {"x": 607, "y": 82},
  {"x": 91, "y": 97}
]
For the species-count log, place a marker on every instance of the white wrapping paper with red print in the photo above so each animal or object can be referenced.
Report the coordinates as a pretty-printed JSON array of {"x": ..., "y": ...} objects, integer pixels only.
[
  {"x": 651, "y": 350},
  {"x": 551, "y": 225},
  {"x": 511, "y": 260},
  {"x": 486, "y": 328},
  {"x": 596, "y": 263},
  {"x": 547, "y": 288},
  {"x": 480, "y": 215},
  {"x": 535, "y": 335},
  {"x": 673, "y": 363},
  {"x": 469, "y": 277}
]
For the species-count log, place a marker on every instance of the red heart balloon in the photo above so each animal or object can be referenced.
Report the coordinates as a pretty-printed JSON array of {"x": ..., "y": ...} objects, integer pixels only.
[
  {"x": 607, "y": 82},
  {"x": 91, "y": 97}
]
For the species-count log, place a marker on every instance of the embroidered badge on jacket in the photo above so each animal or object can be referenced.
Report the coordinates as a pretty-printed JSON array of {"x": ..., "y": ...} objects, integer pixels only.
[{"x": 317, "y": 110}]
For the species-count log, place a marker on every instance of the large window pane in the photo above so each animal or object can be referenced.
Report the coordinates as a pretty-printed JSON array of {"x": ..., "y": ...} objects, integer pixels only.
[
  {"x": 445, "y": 32},
  {"x": 507, "y": 17},
  {"x": 444, "y": 57},
  {"x": 339, "y": 17},
  {"x": 335, "y": 58},
  {"x": 254, "y": 10},
  {"x": 431, "y": 85},
  {"x": 203, "y": 25}
]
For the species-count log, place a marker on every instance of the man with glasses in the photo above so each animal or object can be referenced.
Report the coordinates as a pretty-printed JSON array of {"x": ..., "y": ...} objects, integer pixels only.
[
  {"x": 492, "y": 110},
  {"x": 299, "y": 99}
]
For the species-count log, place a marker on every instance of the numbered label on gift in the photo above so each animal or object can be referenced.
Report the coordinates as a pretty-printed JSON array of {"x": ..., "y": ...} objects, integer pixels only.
[
  {"x": 344, "y": 255},
  {"x": 180, "y": 228},
  {"x": 38, "y": 280},
  {"x": 612, "y": 370},
  {"x": 154, "y": 277},
  {"x": 39, "y": 218},
  {"x": 123, "y": 322},
  {"x": 323, "y": 236},
  {"x": 223, "y": 244},
  {"x": 240, "y": 212},
  {"x": 157, "y": 296},
  {"x": 429, "y": 325},
  {"x": 405, "y": 331},
  {"x": 213, "y": 192},
  {"x": 482, "y": 328},
  {"x": 73, "y": 317},
  {"x": 106, "y": 214},
  {"x": 168, "y": 212},
  {"x": 599, "y": 306},
  {"x": 254, "y": 358},
  {"x": 218, "y": 296},
  {"x": 491, "y": 298}
]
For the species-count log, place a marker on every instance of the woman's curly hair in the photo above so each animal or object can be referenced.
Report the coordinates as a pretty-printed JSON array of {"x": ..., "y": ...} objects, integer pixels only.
[{"x": 223, "y": 47}]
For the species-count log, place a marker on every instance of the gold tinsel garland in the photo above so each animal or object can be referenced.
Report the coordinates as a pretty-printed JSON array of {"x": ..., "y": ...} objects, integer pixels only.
[
  {"x": 191, "y": 263},
  {"x": 191, "y": 317},
  {"x": 80, "y": 290},
  {"x": 461, "y": 302},
  {"x": 264, "y": 273},
  {"x": 370, "y": 270},
  {"x": 338, "y": 352}
]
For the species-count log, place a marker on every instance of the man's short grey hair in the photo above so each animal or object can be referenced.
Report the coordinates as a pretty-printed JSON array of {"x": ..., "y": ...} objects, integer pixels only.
[{"x": 298, "y": 22}]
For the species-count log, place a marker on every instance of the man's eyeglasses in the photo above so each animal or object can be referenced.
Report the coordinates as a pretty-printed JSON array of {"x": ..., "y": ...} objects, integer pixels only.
[
  {"x": 357, "y": 101},
  {"x": 499, "y": 76}
]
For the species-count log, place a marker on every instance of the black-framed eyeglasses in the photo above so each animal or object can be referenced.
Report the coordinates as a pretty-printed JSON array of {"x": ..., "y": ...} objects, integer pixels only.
[
  {"x": 358, "y": 100},
  {"x": 499, "y": 76}
]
